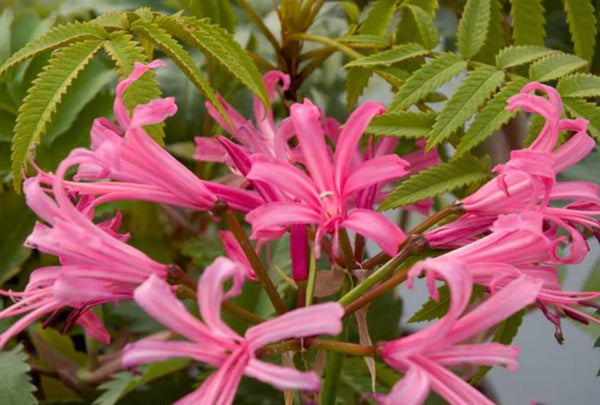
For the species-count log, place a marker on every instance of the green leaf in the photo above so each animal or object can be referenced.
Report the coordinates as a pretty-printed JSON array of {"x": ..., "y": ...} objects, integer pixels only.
[
  {"x": 378, "y": 18},
  {"x": 437, "y": 180},
  {"x": 5, "y": 21},
  {"x": 528, "y": 22},
  {"x": 44, "y": 95},
  {"x": 373, "y": 40},
  {"x": 406, "y": 124},
  {"x": 579, "y": 85},
  {"x": 496, "y": 36},
  {"x": 582, "y": 25},
  {"x": 217, "y": 43},
  {"x": 125, "y": 52},
  {"x": 124, "y": 382},
  {"x": 473, "y": 27},
  {"x": 433, "y": 309},
  {"x": 504, "y": 334},
  {"x": 57, "y": 37},
  {"x": 17, "y": 222},
  {"x": 555, "y": 66},
  {"x": 430, "y": 6},
  {"x": 356, "y": 82},
  {"x": 396, "y": 54},
  {"x": 426, "y": 30},
  {"x": 477, "y": 87},
  {"x": 165, "y": 42},
  {"x": 592, "y": 282},
  {"x": 15, "y": 385},
  {"x": 427, "y": 79},
  {"x": 589, "y": 111},
  {"x": 491, "y": 117},
  {"x": 519, "y": 55},
  {"x": 85, "y": 87}
]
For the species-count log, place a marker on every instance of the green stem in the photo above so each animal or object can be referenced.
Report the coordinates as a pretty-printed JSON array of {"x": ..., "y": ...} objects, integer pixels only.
[
  {"x": 312, "y": 279},
  {"x": 259, "y": 23},
  {"x": 352, "y": 349},
  {"x": 327, "y": 41},
  {"x": 234, "y": 226}
]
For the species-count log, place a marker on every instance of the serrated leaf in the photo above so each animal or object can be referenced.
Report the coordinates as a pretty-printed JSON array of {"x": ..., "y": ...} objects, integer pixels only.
[
  {"x": 124, "y": 382},
  {"x": 589, "y": 111},
  {"x": 579, "y": 85},
  {"x": 15, "y": 385},
  {"x": 477, "y": 87},
  {"x": 473, "y": 27},
  {"x": 378, "y": 18},
  {"x": 519, "y": 55},
  {"x": 356, "y": 82},
  {"x": 218, "y": 44},
  {"x": 44, "y": 95},
  {"x": 528, "y": 22},
  {"x": 425, "y": 26},
  {"x": 582, "y": 25},
  {"x": 433, "y": 309},
  {"x": 493, "y": 115},
  {"x": 437, "y": 180},
  {"x": 165, "y": 42},
  {"x": 427, "y": 79},
  {"x": 504, "y": 334},
  {"x": 406, "y": 124},
  {"x": 60, "y": 36},
  {"x": 394, "y": 55},
  {"x": 373, "y": 40},
  {"x": 496, "y": 36},
  {"x": 555, "y": 66},
  {"x": 125, "y": 52},
  {"x": 430, "y": 6}
]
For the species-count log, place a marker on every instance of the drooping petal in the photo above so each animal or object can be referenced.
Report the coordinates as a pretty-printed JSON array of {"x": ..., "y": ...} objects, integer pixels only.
[
  {"x": 156, "y": 298},
  {"x": 211, "y": 294},
  {"x": 303, "y": 322},
  {"x": 573, "y": 150},
  {"x": 412, "y": 389},
  {"x": 281, "y": 214},
  {"x": 93, "y": 326},
  {"x": 377, "y": 227},
  {"x": 282, "y": 378}
]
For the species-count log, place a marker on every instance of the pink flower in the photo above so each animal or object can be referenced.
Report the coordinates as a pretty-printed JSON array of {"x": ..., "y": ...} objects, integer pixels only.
[
  {"x": 424, "y": 356},
  {"x": 327, "y": 195},
  {"x": 140, "y": 168},
  {"x": 212, "y": 341},
  {"x": 96, "y": 265}
]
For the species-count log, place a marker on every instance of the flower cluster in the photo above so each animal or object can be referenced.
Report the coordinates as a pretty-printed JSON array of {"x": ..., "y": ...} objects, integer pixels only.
[{"x": 308, "y": 176}]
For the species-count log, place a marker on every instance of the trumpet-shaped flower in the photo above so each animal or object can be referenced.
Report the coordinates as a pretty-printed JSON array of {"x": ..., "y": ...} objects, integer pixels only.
[
  {"x": 424, "y": 356},
  {"x": 96, "y": 265},
  {"x": 140, "y": 168},
  {"x": 327, "y": 195},
  {"x": 211, "y": 341}
]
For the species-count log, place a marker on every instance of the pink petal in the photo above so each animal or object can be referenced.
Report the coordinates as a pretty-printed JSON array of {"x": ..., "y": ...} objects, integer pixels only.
[
  {"x": 208, "y": 150},
  {"x": 156, "y": 298},
  {"x": 412, "y": 389},
  {"x": 153, "y": 112},
  {"x": 211, "y": 295},
  {"x": 348, "y": 140},
  {"x": 377, "y": 170},
  {"x": 277, "y": 214},
  {"x": 485, "y": 354},
  {"x": 282, "y": 378},
  {"x": 151, "y": 350},
  {"x": 303, "y": 322},
  {"x": 377, "y": 227},
  {"x": 306, "y": 118},
  {"x": 573, "y": 150},
  {"x": 93, "y": 326}
]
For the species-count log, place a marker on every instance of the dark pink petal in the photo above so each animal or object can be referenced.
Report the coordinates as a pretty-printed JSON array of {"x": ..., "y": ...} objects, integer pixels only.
[{"x": 93, "y": 326}]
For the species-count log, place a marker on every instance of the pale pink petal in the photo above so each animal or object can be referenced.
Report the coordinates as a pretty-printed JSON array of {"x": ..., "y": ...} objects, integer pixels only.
[
  {"x": 221, "y": 388},
  {"x": 151, "y": 350},
  {"x": 303, "y": 322},
  {"x": 485, "y": 354},
  {"x": 282, "y": 378},
  {"x": 377, "y": 227},
  {"x": 156, "y": 298},
  {"x": 153, "y": 112},
  {"x": 211, "y": 294},
  {"x": 350, "y": 135},
  {"x": 412, "y": 389},
  {"x": 512, "y": 298}
]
